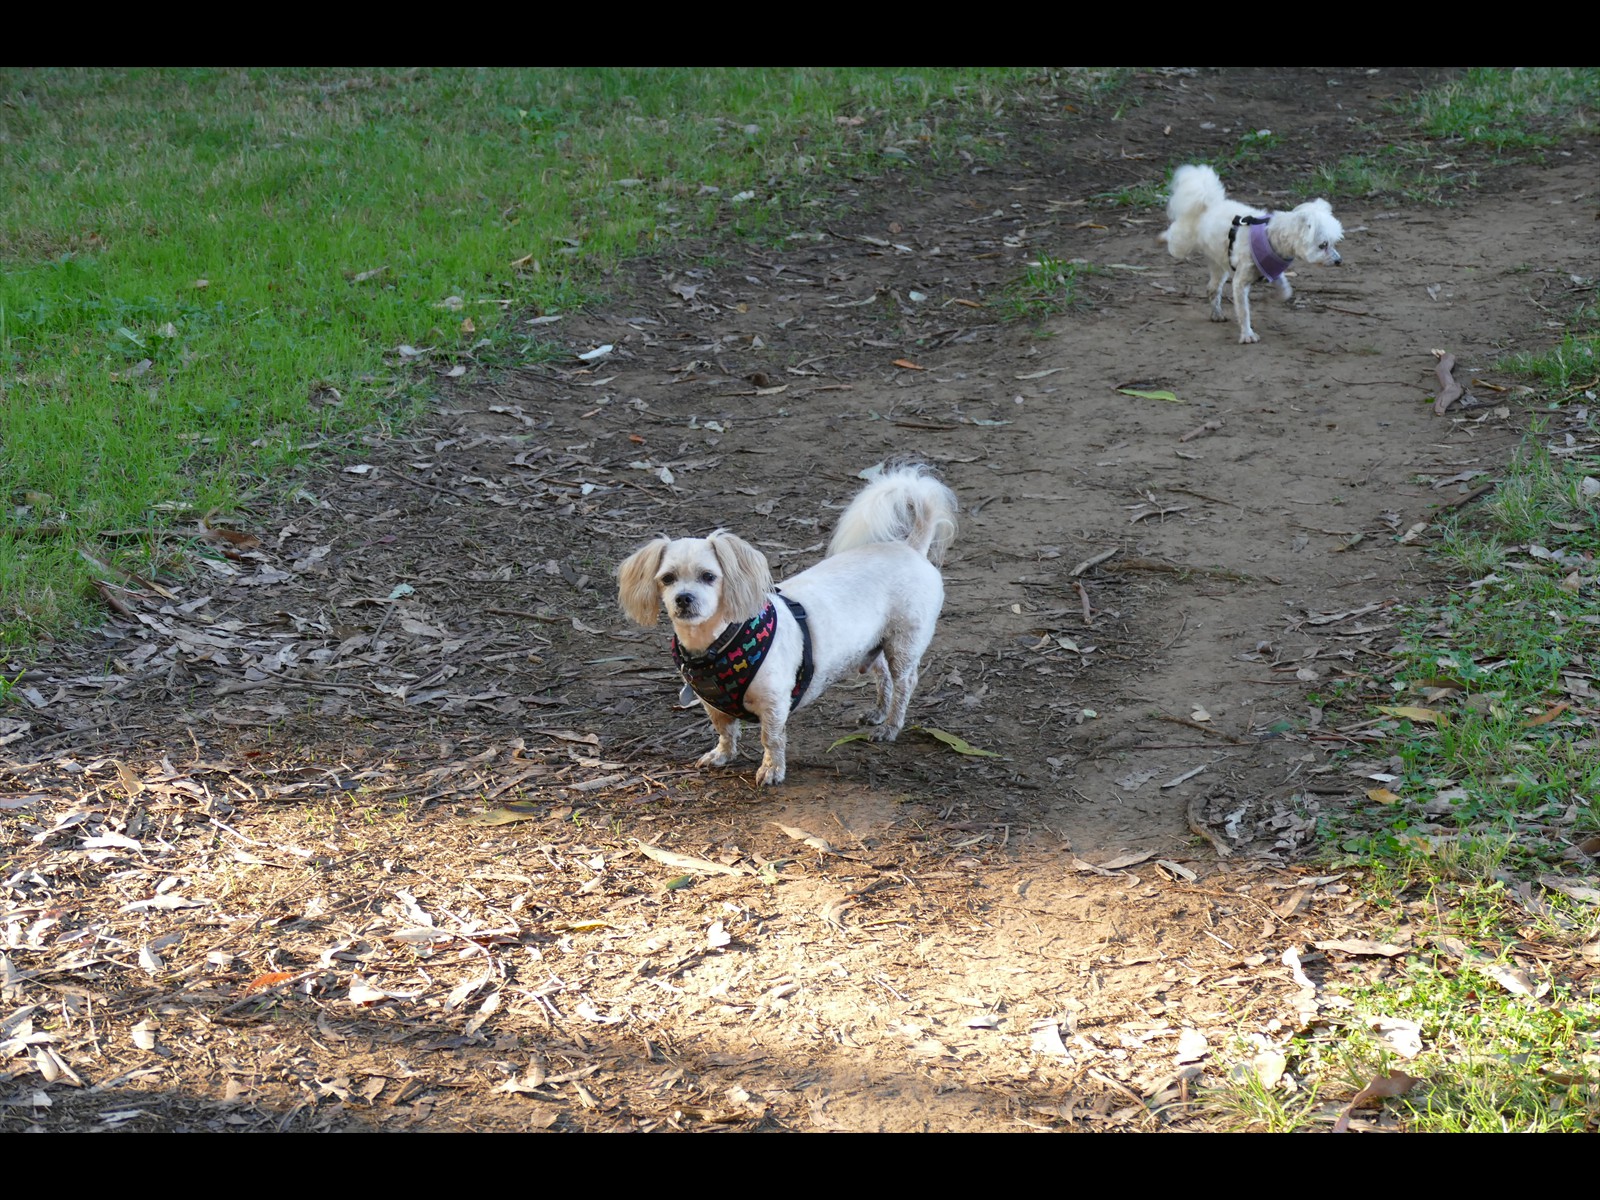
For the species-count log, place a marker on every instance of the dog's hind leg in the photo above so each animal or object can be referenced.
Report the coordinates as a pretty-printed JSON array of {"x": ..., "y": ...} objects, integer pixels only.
[
  {"x": 1241, "y": 308},
  {"x": 884, "y": 684},
  {"x": 727, "y": 747},
  {"x": 902, "y": 660},
  {"x": 1218, "y": 279}
]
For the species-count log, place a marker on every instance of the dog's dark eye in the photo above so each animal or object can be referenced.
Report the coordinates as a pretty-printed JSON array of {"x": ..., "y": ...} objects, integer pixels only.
[
  {"x": 1324, "y": 246},
  {"x": 707, "y": 577},
  {"x": 668, "y": 579}
]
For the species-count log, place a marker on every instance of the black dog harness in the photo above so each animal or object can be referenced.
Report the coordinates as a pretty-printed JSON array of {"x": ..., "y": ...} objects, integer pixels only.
[
  {"x": 722, "y": 675},
  {"x": 1241, "y": 219}
]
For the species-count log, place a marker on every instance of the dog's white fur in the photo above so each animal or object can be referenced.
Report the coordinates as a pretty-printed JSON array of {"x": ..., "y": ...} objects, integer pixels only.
[
  {"x": 871, "y": 604},
  {"x": 1201, "y": 215}
]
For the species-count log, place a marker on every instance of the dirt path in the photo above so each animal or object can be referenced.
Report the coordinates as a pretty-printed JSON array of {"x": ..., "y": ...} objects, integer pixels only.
[{"x": 273, "y": 768}]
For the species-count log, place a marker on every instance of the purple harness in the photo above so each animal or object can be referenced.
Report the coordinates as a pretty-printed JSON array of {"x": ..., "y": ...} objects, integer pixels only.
[{"x": 1268, "y": 262}]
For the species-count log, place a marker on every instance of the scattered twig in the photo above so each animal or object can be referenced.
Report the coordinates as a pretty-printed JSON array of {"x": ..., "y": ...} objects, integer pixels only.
[
  {"x": 1096, "y": 560},
  {"x": 1205, "y": 729},
  {"x": 1203, "y": 496},
  {"x": 1201, "y": 431},
  {"x": 1154, "y": 564},
  {"x": 1469, "y": 497},
  {"x": 1192, "y": 812}
]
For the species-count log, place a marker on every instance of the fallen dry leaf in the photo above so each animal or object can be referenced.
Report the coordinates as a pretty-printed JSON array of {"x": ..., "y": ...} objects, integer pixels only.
[
  {"x": 1360, "y": 946},
  {"x": 1414, "y": 712},
  {"x": 686, "y": 862},
  {"x": 1395, "y": 1083}
]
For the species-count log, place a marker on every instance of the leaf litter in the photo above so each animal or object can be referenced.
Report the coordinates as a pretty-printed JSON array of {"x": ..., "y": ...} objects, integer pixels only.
[{"x": 379, "y": 817}]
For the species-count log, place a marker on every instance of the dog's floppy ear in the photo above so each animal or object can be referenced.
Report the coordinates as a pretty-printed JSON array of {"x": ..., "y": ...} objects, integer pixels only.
[
  {"x": 746, "y": 578},
  {"x": 636, "y": 582}
]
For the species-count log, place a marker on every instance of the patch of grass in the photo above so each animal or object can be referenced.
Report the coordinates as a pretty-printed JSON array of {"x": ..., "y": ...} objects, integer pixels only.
[
  {"x": 1466, "y": 852},
  {"x": 1494, "y": 661},
  {"x": 1491, "y": 1060},
  {"x": 1569, "y": 370},
  {"x": 1149, "y": 193},
  {"x": 1252, "y": 145},
  {"x": 1396, "y": 172},
  {"x": 1047, "y": 286},
  {"x": 1251, "y": 1103},
  {"x": 204, "y": 273},
  {"x": 1526, "y": 107}
]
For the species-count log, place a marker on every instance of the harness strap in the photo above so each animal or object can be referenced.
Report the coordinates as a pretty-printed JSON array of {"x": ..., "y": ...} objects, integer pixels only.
[
  {"x": 807, "y": 666},
  {"x": 1241, "y": 219}
]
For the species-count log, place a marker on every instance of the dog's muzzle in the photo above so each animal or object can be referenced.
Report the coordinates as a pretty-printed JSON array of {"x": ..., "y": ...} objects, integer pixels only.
[{"x": 683, "y": 604}]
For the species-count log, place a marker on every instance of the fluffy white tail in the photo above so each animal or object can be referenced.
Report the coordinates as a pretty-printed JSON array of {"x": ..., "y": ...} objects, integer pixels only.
[
  {"x": 904, "y": 504},
  {"x": 1194, "y": 189}
]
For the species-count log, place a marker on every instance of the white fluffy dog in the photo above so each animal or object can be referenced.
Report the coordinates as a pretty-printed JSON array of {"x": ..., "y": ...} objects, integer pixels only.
[
  {"x": 1246, "y": 243},
  {"x": 756, "y": 652}
]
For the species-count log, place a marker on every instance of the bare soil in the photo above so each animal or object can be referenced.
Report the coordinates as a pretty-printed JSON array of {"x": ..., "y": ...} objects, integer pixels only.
[{"x": 390, "y": 822}]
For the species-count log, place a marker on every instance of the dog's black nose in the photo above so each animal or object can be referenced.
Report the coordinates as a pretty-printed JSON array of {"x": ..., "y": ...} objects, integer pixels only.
[{"x": 683, "y": 601}]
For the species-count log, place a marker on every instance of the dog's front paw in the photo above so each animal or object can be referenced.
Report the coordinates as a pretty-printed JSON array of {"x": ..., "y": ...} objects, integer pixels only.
[
  {"x": 1217, "y": 314},
  {"x": 769, "y": 773},
  {"x": 883, "y": 733},
  {"x": 876, "y": 716},
  {"x": 715, "y": 757},
  {"x": 1248, "y": 336}
]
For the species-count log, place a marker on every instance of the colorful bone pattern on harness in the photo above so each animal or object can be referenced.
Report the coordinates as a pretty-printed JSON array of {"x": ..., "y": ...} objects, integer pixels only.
[{"x": 722, "y": 675}]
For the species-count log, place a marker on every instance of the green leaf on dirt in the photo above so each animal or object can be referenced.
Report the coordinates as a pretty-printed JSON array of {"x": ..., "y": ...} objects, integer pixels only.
[
  {"x": 1156, "y": 395},
  {"x": 959, "y": 745},
  {"x": 508, "y": 815},
  {"x": 849, "y": 737}
]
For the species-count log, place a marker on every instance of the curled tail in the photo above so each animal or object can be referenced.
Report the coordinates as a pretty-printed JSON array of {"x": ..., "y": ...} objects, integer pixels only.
[
  {"x": 904, "y": 504},
  {"x": 1194, "y": 189}
]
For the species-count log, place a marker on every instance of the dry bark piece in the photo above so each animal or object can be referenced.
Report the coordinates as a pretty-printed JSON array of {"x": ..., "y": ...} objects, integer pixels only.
[{"x": 1449, "y": 390}]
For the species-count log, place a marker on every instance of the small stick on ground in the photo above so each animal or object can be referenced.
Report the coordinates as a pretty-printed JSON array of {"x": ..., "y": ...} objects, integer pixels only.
[
  {"x": 1088, "y": 609},
  {"x": 1201, "y": 431},
  {"x": 1205, "y": 729},
  {"x": 1192, "y": 813},
  {"x": 1469, "y": 497},
  {"x": 1154, "y": 564},
  {"x": 1095, "y": 561}
]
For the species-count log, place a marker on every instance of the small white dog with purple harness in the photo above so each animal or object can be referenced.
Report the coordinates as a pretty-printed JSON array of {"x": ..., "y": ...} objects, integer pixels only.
[
  {"x": 754, "y": 652},
  {"x": 1243, "y": 242}
]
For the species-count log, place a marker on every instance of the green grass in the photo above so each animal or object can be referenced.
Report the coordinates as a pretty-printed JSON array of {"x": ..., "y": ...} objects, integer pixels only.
[
  {"x": 1528, "y": 107},
  {"x": 1047, "y": 286},
  {"x": 1491, "y": 1060},
  {"x": 202, "y": 272},
  {"x": 1493, "y": 109},
  {"x": 1484, "y": 804},
  {"x": 1147, "y": 193},
  {"x": 1569, "y": 371},
  {"x": 1400, "y": 173}
]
